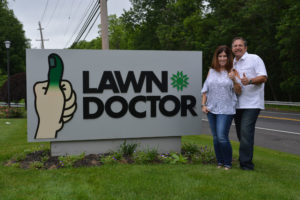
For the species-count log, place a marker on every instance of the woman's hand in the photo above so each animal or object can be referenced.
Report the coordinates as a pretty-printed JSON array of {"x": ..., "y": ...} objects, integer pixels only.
[
  {"x": 204, "y": 109},
  {"x": 231, "y": 75}
]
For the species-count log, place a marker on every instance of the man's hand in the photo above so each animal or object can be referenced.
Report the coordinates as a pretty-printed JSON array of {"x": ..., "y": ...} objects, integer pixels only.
[
  {"x": 245, "y": 80},
  {"x": 55, "y": 100}
]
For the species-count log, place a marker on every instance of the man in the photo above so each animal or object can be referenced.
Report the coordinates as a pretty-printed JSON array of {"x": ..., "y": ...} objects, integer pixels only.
[{"x": 253, "y": 75}]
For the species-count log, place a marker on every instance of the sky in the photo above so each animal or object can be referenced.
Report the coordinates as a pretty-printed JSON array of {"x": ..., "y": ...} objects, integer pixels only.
[{"x": 60, "y": 19}]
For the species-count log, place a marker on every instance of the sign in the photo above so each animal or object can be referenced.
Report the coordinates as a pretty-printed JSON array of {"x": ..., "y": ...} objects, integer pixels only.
[{"x": 95, "y": 94}]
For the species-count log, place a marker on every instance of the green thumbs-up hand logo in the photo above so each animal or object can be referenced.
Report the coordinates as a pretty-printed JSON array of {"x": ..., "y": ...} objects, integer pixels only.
[{"x": 55, "y": 100}]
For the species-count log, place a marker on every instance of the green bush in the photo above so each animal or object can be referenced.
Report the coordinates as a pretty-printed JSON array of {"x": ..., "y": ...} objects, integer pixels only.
[
  {"x": 12, "y": 112},
  {"x": 36, "y": 165},
  {"x": 128, "y": 149},
  {"x": 109, "y": 159},
  {"x": 143, "y": 157},
  {"x": 68, "y": 161},
  {"x": 189, "y": 149}
]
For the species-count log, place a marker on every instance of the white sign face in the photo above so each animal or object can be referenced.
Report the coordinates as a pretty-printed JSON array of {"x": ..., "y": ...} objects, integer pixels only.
[{"x": 96, "y": 94}]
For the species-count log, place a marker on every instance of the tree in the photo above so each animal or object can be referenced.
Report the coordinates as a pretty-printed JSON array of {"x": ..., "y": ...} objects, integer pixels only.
[
  {"x": 141, "y": 23},
  {"x": 270, "y": 27},
  {"x": 17, "y": 88},
  {"x": 93, "y": 44},
  {"x": 11, "y": 29},
  {"x": 289, "y": 45},
  {"x": 117, "y": 34},
  {"x": 256, "y": 21}
]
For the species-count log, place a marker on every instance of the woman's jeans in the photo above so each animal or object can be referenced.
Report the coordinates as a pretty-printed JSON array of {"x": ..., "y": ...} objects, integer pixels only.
[{"x": 220, "y": 126}]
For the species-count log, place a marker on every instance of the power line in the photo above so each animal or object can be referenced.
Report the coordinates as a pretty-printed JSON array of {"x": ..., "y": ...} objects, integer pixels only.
[
  {"x": 88, "y": 21},
  {"x": 92, "y": 25},
  {"x": 42, "y": 17},
  {"x": 52, "y": 13},
  {"x": 80, "y": 21},
  {"x": 71, "y": 15}
]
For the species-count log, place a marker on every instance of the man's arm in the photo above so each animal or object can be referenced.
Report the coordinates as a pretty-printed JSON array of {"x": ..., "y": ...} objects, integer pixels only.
[{"x": 257, "y": 80}]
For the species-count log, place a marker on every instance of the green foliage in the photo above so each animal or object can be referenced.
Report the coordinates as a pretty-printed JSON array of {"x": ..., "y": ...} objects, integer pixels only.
[
  {"x": 15, "y": 165},
  {"x": 189, "y": 149},
  {"x": 174, "y": 158},
  {"x": 117, "y": 34},
  {"x": 128, "y": 149},
  {"x": 12, "y": 112},
  {"x": 69, "y": 160},
  {"x": 289, "y": 44},
  {"x": 93, "y": 44},
  {"x": 3, "y": 78},
  {"x": 45, "y": 158},
  {"x": 275, "y": 176},
  {"x": 178, "y": 158},
  {"x": 109, "y": 159},
  {"x": 118, "y": 155},
  {"x": 36, "y": 165},
  {"x": 270, "y": 27},
  {"x": 20, "y": 156},
  {"x": 283, "y": 108},
  {"x": 198, "y": 154},
  {"x": 11, "y": 29},
  {"x": 148, "y": 156}
]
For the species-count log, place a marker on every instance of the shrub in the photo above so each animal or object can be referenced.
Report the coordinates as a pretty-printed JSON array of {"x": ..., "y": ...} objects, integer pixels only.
[
  {"x": 68, "y": 161},
  {"x": 189, "y": 149},
  {"x": 128, "y": 149},
  {"x": 143, "y": 157},
  {"x": 109, "y": 159},
  {"x": 206, "y": 155},
  {"x": 36, "y": 165},
  {"x": 12, "y": 112},
  {"x": 178, "y": 158},
  {"x": 118, "y": 155}
]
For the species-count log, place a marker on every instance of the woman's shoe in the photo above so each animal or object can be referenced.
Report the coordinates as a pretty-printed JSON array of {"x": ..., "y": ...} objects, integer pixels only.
[{"x": 220, "y": 165}]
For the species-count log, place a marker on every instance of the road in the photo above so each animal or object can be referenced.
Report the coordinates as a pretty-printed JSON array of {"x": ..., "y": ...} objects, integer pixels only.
[{"x": 274, "y": 130}]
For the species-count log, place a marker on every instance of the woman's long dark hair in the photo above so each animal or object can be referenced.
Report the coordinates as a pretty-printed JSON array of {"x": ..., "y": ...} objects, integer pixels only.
[{"x": 215, "y": 63}]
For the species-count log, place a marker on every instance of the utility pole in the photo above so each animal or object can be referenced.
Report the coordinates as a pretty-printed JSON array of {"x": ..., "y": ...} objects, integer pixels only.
[
  {"x": 42, "y": 39},
  {"x": 104, "y": 24}
]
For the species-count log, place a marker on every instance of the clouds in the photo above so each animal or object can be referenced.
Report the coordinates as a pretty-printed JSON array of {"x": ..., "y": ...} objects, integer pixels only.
[{"x": 60, "y": 19}]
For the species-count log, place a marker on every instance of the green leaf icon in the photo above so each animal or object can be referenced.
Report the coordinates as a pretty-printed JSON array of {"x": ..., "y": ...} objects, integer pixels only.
[{"x": 180, "y": 80}]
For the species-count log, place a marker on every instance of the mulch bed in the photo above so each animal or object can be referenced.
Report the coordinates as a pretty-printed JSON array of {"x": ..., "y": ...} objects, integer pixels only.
[
  {"x": 43, "y": 160},
  {"x": 53, "y": 162}
]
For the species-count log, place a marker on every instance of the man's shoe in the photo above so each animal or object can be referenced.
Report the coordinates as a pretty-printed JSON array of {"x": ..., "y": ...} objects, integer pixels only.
[{"x": 247, "y": 168}]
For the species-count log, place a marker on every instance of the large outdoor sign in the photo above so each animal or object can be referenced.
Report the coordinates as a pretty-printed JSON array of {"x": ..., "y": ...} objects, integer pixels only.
[{"x": 94, "y": 94}]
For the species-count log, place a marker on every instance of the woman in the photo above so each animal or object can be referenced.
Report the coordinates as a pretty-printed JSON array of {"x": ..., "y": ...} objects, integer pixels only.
[{"x": 219, "y": 101}]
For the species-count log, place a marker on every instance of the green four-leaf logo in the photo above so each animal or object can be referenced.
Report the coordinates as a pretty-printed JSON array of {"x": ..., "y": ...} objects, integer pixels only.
[{"x": 180, "y": 80}]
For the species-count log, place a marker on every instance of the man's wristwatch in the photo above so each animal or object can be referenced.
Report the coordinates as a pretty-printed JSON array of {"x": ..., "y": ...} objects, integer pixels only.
[
  {"x": 202, "y": 105},
  {"x": 250, "y": 82}
]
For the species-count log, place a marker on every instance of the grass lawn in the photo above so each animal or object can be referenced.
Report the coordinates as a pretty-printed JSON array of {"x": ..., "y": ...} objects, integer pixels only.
[
  {"x": 277, "y": 176},
  {"x": 282, "y": 108}
]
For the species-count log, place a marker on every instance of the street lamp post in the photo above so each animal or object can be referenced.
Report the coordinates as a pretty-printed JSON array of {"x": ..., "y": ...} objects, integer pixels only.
[{"x": 7, "y": 45}]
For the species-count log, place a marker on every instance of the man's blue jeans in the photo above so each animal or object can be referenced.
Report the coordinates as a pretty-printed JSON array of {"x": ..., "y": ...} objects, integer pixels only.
[
  {"x": 220, "y": 126},
  {"x": 245, "y": 120}
]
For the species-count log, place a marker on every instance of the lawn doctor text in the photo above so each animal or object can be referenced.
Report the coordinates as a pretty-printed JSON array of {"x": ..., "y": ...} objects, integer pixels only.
[{"x": 112, "y": 80}]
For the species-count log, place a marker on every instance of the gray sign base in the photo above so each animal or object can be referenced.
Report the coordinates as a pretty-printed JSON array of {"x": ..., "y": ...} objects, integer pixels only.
[{"x": 162, "y": 144}]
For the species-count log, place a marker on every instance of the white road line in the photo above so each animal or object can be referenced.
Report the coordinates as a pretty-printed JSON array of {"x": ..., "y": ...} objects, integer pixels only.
[{"x": 268, "y": 129}]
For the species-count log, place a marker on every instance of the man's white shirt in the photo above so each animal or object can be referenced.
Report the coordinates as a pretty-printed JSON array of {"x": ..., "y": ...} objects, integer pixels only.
[{"x": 252, "y": 95}]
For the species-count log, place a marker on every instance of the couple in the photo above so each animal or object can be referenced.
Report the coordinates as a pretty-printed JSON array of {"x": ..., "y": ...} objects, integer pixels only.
[{"x": 234, "y": 89}]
